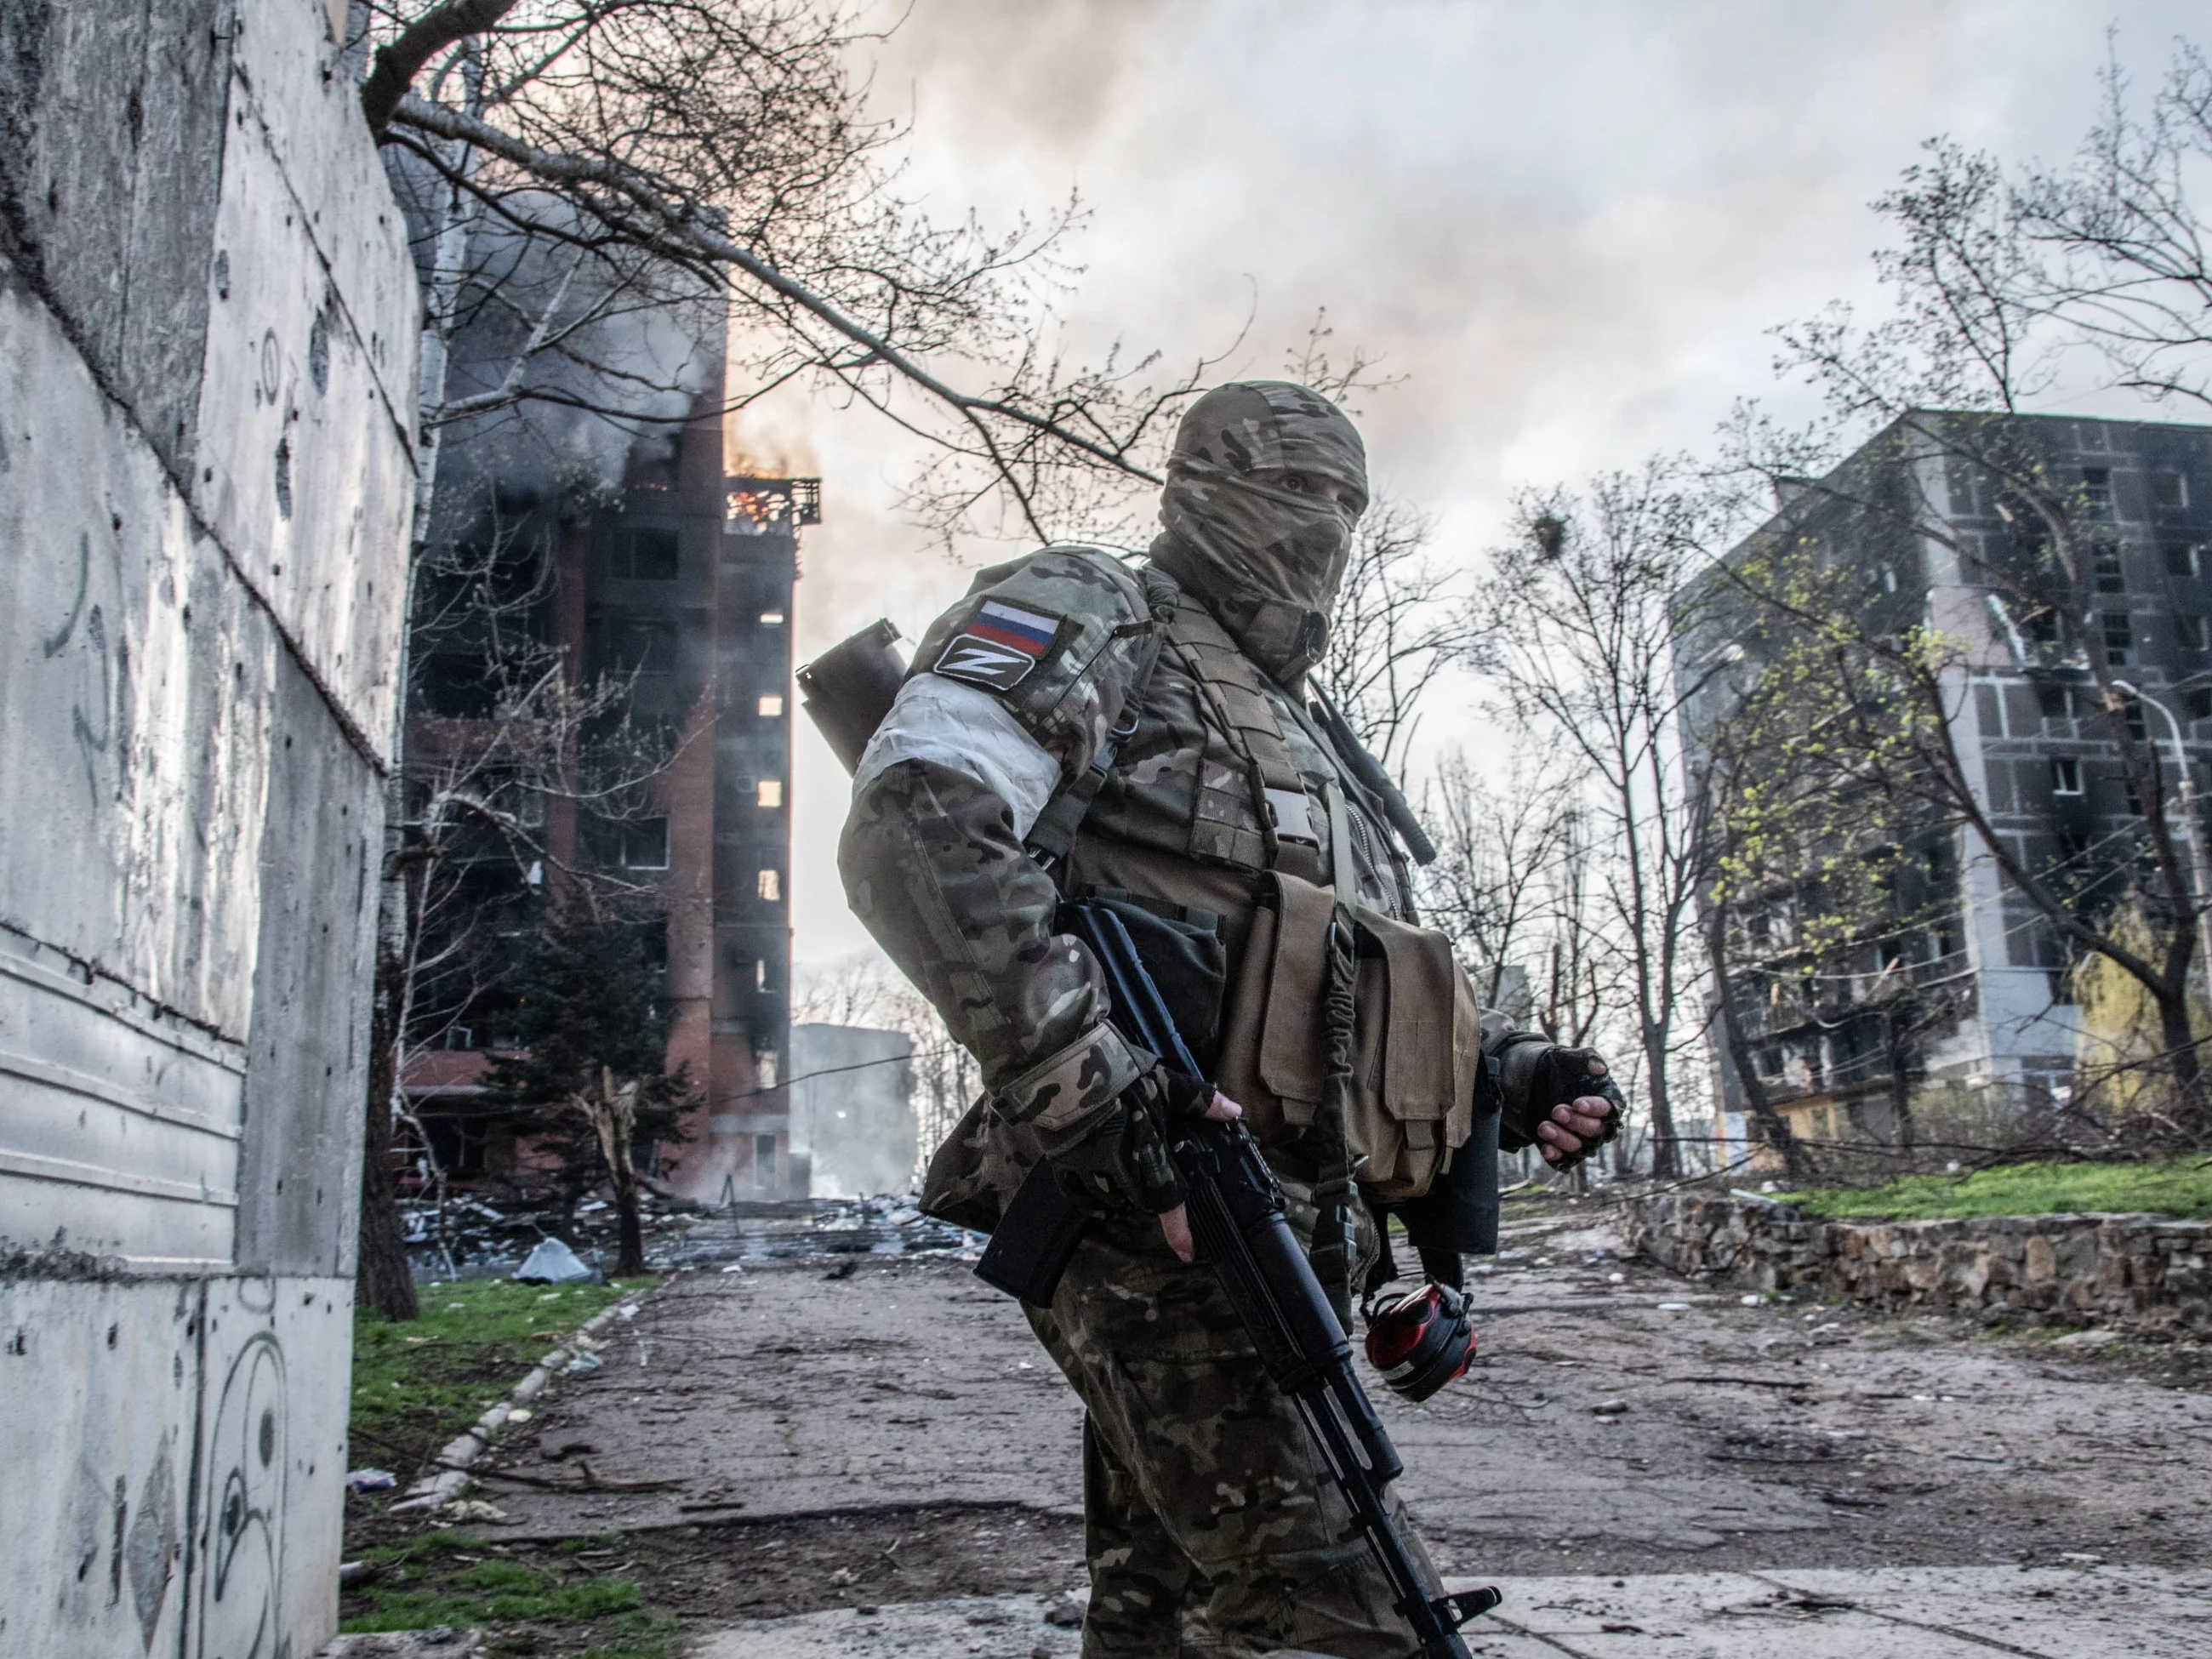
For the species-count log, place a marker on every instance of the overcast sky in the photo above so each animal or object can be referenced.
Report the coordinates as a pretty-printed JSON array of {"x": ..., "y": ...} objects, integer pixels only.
[{"x": 1568, "y": 224}]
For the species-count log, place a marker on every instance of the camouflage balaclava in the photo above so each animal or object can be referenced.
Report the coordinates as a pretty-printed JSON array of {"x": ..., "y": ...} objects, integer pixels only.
[{"x": 1266, "y": 560}]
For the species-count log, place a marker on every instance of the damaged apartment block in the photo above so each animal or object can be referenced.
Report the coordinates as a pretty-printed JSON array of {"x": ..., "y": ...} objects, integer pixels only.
[
  {"x": 599, "y": 683},
  {"x": 1949, "y": 1006}
]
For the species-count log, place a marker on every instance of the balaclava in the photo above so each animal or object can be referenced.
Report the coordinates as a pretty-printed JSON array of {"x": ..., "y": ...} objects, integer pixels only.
[{"x": 1268, "y": 561}]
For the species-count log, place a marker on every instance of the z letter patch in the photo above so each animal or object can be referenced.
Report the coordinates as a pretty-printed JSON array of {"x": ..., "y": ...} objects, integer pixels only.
[{"x": 1001, "y": 643}]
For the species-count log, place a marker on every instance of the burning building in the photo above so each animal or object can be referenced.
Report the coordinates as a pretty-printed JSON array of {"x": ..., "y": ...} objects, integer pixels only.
[{"x": 600, "y": 697}]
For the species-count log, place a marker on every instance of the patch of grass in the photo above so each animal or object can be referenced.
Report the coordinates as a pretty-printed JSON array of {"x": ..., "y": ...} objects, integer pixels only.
[
  {"x": 417, "y": 1384},
  {"x": 444, "y": 1578},
  {"x": 2178, "y": 1187}
]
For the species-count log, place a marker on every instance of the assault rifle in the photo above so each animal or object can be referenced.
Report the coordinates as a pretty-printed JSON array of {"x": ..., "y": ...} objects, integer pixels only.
[{"x": 1237, "y": 1221}]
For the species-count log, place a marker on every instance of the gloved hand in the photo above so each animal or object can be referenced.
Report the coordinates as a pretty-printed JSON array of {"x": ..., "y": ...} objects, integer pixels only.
[
  {"x": 1559, "y": 1098},
  {"x": 1120, "y": 1157}
]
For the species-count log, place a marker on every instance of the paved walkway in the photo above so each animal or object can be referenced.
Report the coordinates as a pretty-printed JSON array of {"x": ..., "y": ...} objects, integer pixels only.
[{"x": 1895, "y": 1613}]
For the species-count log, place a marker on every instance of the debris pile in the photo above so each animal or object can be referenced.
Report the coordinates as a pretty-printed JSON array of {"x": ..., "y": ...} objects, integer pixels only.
[{"x": 481, "y": 1235}]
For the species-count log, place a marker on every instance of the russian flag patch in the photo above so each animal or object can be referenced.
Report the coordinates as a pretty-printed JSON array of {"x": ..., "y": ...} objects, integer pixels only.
[{"x": 1000, "y": 644}]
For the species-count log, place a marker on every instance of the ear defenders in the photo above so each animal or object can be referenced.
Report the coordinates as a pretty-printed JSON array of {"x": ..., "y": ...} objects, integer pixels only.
[{"x": 1421, "y": 1341}]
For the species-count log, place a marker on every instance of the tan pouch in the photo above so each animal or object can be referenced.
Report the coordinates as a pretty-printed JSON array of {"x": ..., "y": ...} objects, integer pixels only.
[
  {"x": 1419, "y": 1044},
  {"x": 1275, "y": 1055}
]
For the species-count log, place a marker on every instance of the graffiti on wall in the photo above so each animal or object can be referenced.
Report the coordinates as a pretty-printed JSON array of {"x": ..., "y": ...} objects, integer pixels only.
[{"x": 245, "y": 1503}]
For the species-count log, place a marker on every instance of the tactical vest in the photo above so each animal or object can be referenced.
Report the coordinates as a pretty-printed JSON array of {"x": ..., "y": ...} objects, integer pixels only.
[{"x": 1348, "y": 1032}]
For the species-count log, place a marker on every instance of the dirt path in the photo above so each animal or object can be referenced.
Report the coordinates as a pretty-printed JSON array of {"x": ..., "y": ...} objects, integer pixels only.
[{"x": 795, "y": 1436}]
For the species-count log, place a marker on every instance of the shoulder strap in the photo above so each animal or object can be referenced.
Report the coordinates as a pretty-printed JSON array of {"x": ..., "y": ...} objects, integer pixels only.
[{"x": 1053, "y": 835}]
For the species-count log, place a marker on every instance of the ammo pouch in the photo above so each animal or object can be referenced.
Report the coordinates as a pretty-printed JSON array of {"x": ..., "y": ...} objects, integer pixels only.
[
  {"x": 1419, "y": 1054},
  {"x": 1414, "y": 1049},
  {"x": 1274, "y": 1032}
]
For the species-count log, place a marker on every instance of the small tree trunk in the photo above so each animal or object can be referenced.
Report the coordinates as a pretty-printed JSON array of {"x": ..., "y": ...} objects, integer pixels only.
[
  {"x": 382, "y": 1277},
  {"x": 2178, "y": 1037},
  {"x": 1666, "y": 1154},
  {"x": 1776, "y": 1127},
  {"x": 1901, "y": 1076},
  {"x": 613, "y": 1113}
]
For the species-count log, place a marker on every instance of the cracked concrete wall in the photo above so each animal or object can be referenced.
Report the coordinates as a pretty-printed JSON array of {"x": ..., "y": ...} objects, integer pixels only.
[{"x": 206, "y": 319}]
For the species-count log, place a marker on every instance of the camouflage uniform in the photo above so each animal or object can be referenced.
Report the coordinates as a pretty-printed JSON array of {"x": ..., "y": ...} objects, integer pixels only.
[{"x": 1199, "y": 1478}]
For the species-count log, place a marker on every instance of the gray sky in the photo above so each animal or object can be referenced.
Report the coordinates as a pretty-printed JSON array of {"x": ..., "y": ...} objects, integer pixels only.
[{"x": 1568, "y": 224}]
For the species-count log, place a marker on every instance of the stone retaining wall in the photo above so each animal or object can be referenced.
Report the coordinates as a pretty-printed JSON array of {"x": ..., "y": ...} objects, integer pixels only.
[{"x": 2146, "y": 1272}]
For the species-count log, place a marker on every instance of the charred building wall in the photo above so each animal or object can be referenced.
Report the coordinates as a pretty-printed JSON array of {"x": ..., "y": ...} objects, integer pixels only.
[
  {"x": 745, "y": 1149},
  {"x": 206, "y": 362}
]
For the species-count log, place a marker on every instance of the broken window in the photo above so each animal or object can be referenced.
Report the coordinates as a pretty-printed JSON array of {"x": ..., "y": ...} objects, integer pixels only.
[
  {"x": 764, "y": 1158},
  {"x": 770, "y": 886},
  {"x": 769, "y": 793},
  {"x": 2065, "y": 775},
  {"x": 2190, "y": 630},
  {"x": 2111, "y": 575},
  {"x": 646, "y": 555},
  {"x": 2119, "y": 638},
  {"x": 2097, "y": 492},
  {"x": 2184, "y": 559},
  {"x": 2200, "y": 704},
  {"x": 626, "y": 844},
  {"x": 770, "y": 706}
]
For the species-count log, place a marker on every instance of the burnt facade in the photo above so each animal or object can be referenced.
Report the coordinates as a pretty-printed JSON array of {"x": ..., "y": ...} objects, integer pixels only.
[
  {"x": 676, "y": 592},
  {"x": 1965, "y": 1001}
]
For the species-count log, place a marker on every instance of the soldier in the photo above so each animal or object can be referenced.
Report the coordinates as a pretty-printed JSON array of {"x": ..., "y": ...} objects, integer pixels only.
[{"x": 1086, "y": 724}]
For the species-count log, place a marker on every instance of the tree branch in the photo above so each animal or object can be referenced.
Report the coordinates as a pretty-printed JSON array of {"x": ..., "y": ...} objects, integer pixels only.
[{"x": 400, "y": 61}]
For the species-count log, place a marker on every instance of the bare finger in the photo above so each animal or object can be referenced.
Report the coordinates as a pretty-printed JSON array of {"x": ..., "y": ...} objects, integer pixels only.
[
  {"x": 1223, "y": 1109},
  {"x": 1175, "y": 1227}
]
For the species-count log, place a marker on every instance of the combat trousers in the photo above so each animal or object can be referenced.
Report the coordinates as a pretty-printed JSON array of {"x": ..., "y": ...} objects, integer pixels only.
[{"x": 1202, "y": 1490}]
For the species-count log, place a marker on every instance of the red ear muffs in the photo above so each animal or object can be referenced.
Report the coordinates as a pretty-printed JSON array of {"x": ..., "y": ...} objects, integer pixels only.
[{"x": 1421, "y": 1341}]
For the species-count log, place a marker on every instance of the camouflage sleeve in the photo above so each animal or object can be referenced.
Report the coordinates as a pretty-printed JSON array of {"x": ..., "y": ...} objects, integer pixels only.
[{"x": 933, "y": 864}]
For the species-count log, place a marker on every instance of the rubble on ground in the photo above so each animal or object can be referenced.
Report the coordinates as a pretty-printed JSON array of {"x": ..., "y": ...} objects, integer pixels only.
[{"x": 485, "y": 1234}]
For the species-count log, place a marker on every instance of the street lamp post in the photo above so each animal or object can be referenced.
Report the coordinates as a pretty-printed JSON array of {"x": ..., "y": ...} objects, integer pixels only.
[{"x": 2192, "y": 830}]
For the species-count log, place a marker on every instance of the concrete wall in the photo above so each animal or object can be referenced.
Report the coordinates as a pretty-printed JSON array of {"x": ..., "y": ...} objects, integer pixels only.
[
  {"x": 2144, "y": 1272},
  {"x": 852, "y": 1109},
  {"x": 206, "y": 314}
]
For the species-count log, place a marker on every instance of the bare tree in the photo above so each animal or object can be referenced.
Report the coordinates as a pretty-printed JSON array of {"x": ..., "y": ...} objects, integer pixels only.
[
  {"x": 1394, "y": 629},
  {"x": 482, "y": 830},
  {"x": 2113, "y": 247},
  {"x": 1510, "y": 887},
  {"x": 1575, "y": 628},
  {"x": 723, "y": 142}
]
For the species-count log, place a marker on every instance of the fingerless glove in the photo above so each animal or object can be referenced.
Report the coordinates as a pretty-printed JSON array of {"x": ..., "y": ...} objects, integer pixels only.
[{"x": 1535, "y": 1075}]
